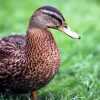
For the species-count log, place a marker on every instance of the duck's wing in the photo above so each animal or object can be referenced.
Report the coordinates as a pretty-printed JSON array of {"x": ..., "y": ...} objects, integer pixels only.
[
  {"x": 12, "y": 55},
  {"x": 17, "y": 40}
]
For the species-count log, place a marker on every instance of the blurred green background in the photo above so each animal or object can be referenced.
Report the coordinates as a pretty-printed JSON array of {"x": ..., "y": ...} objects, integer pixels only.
[{"x": 79, "y": 74}]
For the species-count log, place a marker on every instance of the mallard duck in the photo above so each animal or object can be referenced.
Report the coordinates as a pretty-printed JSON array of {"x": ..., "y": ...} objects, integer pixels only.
[{"x": 28, "y": 63}]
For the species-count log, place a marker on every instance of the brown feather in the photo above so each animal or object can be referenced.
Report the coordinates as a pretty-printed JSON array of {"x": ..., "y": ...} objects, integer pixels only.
[{"x": 30, "y": 65}]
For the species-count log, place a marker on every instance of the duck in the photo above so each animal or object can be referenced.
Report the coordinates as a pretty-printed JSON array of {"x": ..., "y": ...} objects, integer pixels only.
[{"x": 29, "y": 62}]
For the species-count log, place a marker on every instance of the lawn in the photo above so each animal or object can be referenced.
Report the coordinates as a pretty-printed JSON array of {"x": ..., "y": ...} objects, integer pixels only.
[{"x": 79, "y": 74}]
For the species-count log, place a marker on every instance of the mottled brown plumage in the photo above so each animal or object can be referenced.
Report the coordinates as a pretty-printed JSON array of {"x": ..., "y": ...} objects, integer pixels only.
[{"x": 29, "y": 62}]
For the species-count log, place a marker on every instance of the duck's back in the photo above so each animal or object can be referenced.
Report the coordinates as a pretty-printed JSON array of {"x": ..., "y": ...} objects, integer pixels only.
[
  {"x": 12, "y": 61},
  {"x": 17, "y": 40}
]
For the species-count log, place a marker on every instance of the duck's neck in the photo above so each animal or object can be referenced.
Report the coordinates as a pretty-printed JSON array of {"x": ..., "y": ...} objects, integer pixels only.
[{"x": 42, "y": 53}]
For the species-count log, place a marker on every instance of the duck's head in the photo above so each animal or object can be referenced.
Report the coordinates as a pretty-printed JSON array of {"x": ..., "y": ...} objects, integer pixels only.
[{"x": 50, "y": 17}]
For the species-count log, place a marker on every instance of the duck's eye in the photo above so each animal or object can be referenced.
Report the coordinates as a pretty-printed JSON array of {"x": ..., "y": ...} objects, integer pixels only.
[{"x": 65, "y": 26}]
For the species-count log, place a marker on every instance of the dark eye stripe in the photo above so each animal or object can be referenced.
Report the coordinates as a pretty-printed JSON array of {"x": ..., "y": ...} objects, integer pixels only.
[
  {"x": 53, "y": 10},
  {"x": 54, "y": 15}
]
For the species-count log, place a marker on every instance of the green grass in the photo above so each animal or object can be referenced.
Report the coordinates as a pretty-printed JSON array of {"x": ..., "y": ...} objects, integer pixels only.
[{"x": 79, "y": 74}]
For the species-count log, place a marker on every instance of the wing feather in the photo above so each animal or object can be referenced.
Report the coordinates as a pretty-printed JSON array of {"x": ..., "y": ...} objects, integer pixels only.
[{"x": 12, "y": 56}]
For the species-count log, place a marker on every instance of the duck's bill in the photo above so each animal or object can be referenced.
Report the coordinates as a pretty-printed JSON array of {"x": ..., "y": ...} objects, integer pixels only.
[{"x": 69, "y": 32}]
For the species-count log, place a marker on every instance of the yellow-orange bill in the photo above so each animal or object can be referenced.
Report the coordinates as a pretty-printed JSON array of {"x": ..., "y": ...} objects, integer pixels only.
[{"x": 69, "y": 32}]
